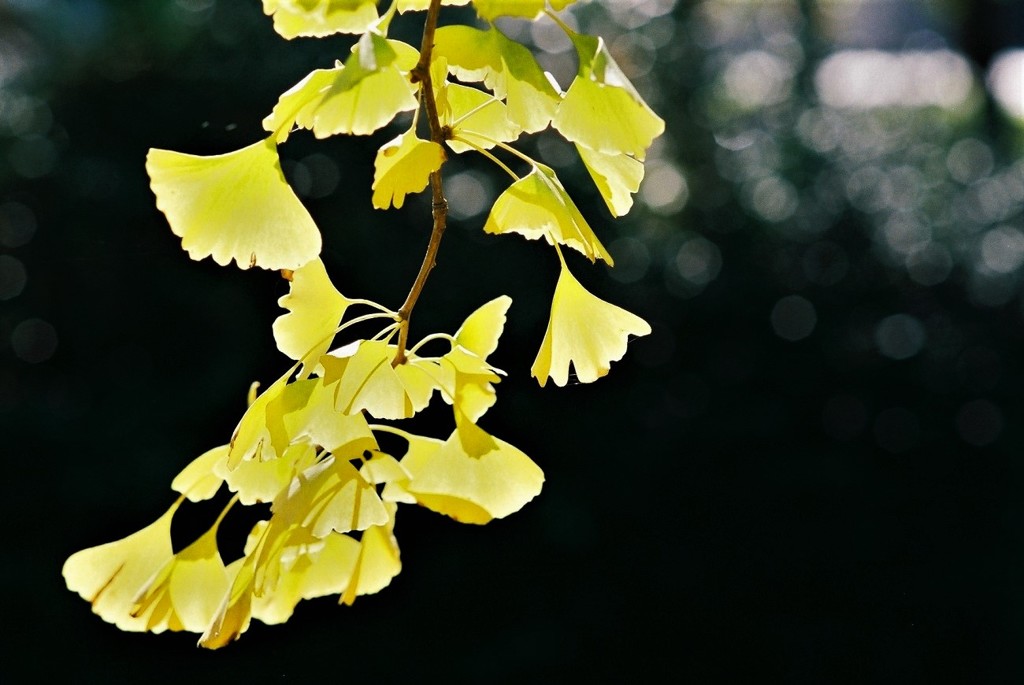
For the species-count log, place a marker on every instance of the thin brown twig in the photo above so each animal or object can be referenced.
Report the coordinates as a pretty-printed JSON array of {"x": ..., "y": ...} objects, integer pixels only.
[{"x": 439, "y": 205}]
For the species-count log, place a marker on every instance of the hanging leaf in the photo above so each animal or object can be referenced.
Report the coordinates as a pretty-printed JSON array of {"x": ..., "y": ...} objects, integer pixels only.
[
  {"x": 584, "y": 330},
  {"x": 403, "y": 166},
  {"x": 505, "y": 67},
  {"x": 318, "y": 18},
  {"x": 616, "y": 176},
  {"x": 358, "y": 98},
  {"x": 234, "y": 206},
  {"x": 315, "y": 308},
  {"x": 602, "y": 110},
  {"x": 537, "y": 206},
  {"x": 527, "y": 9}
]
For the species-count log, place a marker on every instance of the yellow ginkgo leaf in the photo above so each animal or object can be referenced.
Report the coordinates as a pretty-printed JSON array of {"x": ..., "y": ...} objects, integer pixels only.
[
  {"x": 421, "y": 5},
  {"x": 584, "y": 330},
  {"x": 475, "y": 116},
  {"x": 403, "y": 166},
  {"x": 199, "y": 480},
  {"x": 379, "y": 560},
  {"x": 234, "y": 206},
  {"x": 110, "y": 576},
  {"x": 480, "y": 331},
  {"x": 318, "y": 18},
  {"x": 330, "y": 495},
  {"x": 366, "y": 381},
  {"x": 311, "y": 567},
  {"x": 261, "y": 428},
  {"x": 235, "y": 611},
  {"x": 187, "y": 592},
  {"x": 471, "y": 391},
  {"x": 308, "y": 414},
  {"x": 261, "y": 481},
  {"x": 470, "y": 489},
  {"x": 315, "y": 308},
  {"x": 601, "y": 110},
  {"x": 617, "y": 176},
  {"x": 362, "y": 96},
  {"x": 506, "y": 67},
  {"x": 528, "y": 9},
  {"x": 537, "y": 206}
]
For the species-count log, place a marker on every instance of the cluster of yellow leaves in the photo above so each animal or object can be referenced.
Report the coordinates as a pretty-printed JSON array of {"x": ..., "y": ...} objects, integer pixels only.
[{"x": 307, "y": 445}]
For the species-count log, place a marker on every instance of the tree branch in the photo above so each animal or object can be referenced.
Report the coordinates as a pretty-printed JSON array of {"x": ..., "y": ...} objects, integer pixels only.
[{"x": 439, "y": 205}]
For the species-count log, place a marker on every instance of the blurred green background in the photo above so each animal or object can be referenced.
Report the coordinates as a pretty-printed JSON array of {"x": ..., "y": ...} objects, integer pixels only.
[{"x": 810, "y": 472}]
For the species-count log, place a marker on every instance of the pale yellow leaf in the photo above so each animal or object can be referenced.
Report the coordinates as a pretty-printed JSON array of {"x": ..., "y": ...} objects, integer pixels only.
[
  {"x": 234, "y": 206},
  {"x": 584, "y": 330}
]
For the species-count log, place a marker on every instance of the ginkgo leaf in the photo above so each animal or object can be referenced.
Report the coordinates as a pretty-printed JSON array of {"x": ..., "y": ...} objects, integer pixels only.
[
  {"x": 472, "y": 392},
  {"x": 235, "y": 611},
  {"x": 110, "y": 576},
  {"x": 602, "y": 110},
  {"x": 318, "y": 18},
  {"x": 261, "y": 481},
  {"x": 470, "y": 489},
  {"x": 403, "y": 166},
  {"x": 480, "y": 331},
  {"x": 537, "y": 206},
  {"x": 617, "y": 176},
  {"x": 234, "y": 206},
  {"x": 199, "y": 481},
  {"x": 506, "y": 67},
  {"x": 315, "y": 308},
  {"x": 308, "y": 413},
  {"x": 366, "y": 381},
  {"x": 330, "y": 495},
  {"x": 421, "y": 5},
  {"x": 475, "y": 116},
  {"x": 379, "y": 560},
  {"x": 584, "y": 330},
  {"x": 358, "y": 98},
  {"x": 186, "y": 593},
  {"x": 261, "y": 427},
  {"x": 528, "y": 9},
  {"x": 311, "y": 567}
]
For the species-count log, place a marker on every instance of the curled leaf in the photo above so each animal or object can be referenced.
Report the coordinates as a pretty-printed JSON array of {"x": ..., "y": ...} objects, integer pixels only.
[{"x": 537, "y": 206}]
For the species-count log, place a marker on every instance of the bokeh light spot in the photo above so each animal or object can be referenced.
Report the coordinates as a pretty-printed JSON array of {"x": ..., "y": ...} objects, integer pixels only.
[
  {"x": 12, "y": 277},
  {"x": 34, "y": 341},
  {"x": 793, "y": 318},
  {"x": 900, "y": 336}
]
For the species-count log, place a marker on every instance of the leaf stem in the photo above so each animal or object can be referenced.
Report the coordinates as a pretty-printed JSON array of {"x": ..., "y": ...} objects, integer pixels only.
[
  {"x": 439, "y": 205},
  {"x": 486, "y": 153}
]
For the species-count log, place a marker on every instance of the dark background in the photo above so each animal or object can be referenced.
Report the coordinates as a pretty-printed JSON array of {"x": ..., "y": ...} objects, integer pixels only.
[{"x": 810, "y": 472}]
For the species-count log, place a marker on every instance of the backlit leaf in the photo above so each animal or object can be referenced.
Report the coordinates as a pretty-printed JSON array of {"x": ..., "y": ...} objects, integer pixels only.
[
  {"x": 187, "y": 592},
  {"x": 403, "y": 166},
  {"x": 537, "y": 206},
  {"x": 421, "y": 5},
  {"x": 110, "y": 576},
  {"x": 362, "y": 96},
  {"x": 602, "y": 110},
  {"x": 315, "y": 308},
  {"x": 471, "y": 489},
  {"x": 617, "y": 176},
  {"x": 199, "y": 481},
  {"x": 234, "y": 206},
  {"x": 584, "y": 330},
  {"x": 506, "y": 67},
  {"x": 476, "y": 116},
  {"x": 528, "y": 9},
  {"x": 319, "y": 18}
]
